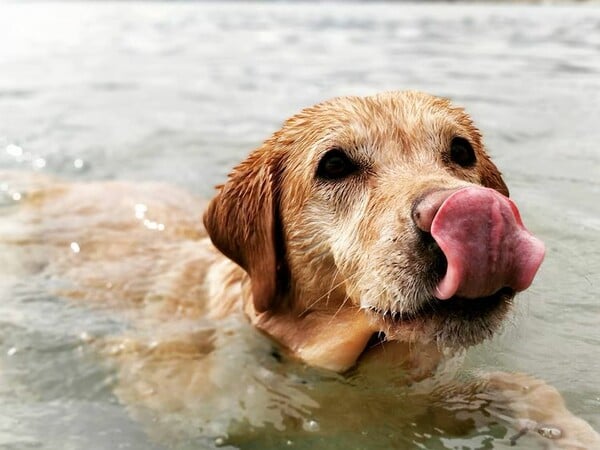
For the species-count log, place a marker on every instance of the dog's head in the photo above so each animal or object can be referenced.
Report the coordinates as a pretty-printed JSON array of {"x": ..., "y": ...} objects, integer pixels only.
[{"x": 386, "y": 205}]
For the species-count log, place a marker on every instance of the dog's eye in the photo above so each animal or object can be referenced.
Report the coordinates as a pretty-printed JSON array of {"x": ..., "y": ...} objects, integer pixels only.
[
  {"x": 335, "y": 165},
  {"x": 461, "y": 152}
]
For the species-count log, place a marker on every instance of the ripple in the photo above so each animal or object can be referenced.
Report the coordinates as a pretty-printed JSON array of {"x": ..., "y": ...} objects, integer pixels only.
[{"x": 16, "y": 94}]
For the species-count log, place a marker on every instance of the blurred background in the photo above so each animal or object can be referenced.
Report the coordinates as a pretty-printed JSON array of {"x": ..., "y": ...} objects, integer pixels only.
[{"x": 181, "y": 91}]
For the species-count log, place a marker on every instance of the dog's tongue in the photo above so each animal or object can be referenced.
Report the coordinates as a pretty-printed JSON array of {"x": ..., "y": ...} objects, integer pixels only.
[{"x": 485, "y": 243}]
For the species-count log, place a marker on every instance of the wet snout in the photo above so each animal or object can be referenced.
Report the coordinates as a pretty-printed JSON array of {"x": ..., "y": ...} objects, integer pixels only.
[
  {"x": 483, "y": 239},
  {"x": 426, "y": 207}
]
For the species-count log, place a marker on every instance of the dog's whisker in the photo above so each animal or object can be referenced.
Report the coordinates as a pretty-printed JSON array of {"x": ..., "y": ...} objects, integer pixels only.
[
  {"x": 331, "y": 289},
  {"x": 346, "y": 298},
  {"x": 327, "y": 295}
]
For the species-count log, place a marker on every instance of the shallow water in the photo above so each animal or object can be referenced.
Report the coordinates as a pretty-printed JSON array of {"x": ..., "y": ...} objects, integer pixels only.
[{"x": 180, "y": 92}]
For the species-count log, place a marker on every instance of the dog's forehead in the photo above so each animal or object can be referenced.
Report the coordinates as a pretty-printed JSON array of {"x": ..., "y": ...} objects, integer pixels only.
[
  {"x": 403, "y": 120},
  {"x": 404, "y": 117}
]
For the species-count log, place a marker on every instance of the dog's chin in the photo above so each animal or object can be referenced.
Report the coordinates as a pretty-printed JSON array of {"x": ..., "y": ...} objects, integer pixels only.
[{"x": 454, "y": 323}]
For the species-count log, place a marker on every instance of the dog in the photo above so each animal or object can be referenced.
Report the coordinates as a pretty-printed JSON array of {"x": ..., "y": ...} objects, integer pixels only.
[{"x": 368, "y": 234}]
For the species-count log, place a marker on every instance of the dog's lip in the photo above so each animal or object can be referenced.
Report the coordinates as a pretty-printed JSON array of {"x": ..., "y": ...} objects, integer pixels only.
[
  {"x": 394, "y": 326},
  {"x": 435, "y": 308}
]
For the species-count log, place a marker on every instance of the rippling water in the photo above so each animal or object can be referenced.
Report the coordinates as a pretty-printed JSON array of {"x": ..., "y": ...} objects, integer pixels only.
[{"x": 180, "y": 92}]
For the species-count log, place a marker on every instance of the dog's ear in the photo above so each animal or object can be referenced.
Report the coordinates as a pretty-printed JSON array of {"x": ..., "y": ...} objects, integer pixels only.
[
  {"x": 243, "y": 223},
  {"x": 492, "y": 178}
]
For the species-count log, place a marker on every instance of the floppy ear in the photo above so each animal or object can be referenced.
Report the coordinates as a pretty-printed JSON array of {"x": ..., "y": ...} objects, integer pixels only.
[
  {"x": 492, "y": 178},
  {"x": 243, "y": 223}
]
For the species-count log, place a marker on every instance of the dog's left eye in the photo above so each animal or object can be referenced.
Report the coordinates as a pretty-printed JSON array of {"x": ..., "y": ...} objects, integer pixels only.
[
  {"x": 461, "y": 152},
  {"x": 335, "y": 164}
]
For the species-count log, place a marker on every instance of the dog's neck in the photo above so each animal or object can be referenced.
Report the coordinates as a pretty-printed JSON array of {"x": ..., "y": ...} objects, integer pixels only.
[{"x": 337, "y": 338}]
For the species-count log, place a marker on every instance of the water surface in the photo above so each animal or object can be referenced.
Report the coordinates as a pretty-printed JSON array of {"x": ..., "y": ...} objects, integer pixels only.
[{"x": 180, "y": 92}]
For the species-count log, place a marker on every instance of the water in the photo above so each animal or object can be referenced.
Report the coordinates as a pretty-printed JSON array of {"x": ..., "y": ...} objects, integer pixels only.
[{"x": 180, "y": 92}]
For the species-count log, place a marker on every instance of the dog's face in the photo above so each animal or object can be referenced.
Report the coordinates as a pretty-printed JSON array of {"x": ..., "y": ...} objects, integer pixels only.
[{"x": 338, "y": 210}]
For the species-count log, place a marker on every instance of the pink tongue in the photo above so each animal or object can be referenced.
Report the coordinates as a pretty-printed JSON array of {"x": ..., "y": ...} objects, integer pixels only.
[{"x": 486, "y": 245}]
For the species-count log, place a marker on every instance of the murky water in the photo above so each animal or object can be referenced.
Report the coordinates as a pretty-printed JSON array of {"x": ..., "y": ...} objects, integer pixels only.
[{"x": 180, "y": 92}]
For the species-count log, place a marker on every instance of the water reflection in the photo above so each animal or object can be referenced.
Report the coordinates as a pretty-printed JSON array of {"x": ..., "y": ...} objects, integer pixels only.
[{"x": 140, "y": 213}]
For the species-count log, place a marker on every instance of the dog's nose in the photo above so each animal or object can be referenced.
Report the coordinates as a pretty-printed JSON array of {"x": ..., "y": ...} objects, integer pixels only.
[
  {"x": 426, "y": 207},
  {"x": 482, "y": 237}
]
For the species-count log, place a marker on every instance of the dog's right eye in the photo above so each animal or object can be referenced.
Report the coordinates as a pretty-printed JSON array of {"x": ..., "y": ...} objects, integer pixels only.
[{"x": 335, "y": 165}]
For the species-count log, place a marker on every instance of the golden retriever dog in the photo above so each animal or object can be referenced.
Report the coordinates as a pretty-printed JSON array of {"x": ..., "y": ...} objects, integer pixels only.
[{"x": 370, "y": 239}]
